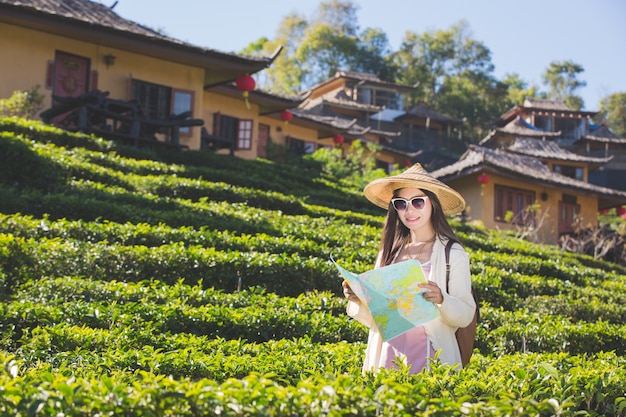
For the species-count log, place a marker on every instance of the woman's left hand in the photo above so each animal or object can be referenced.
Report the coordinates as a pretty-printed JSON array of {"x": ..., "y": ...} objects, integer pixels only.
[{"x": 432, "y": 292}]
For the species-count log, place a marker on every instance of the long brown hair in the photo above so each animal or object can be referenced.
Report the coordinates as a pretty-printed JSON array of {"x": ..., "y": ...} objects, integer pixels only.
[{"x": 395, "y": 233}]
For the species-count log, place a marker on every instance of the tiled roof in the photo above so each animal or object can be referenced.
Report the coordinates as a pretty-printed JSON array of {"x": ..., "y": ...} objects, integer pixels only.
[
  {"x": 340, "y": 99},
  {"x": 522, "y": 168},
  {"x": 423, "y": 110},
  {"x": 89, "y": 12},
  {"x": 604, "y": 135},
  {"x": 369, "y": 78},
  {"x": 100, "y": 16},
  {"x": 550, "y": 150},
  {"x": 521, "y": 127},
  {"x": 556, "y": 105}
]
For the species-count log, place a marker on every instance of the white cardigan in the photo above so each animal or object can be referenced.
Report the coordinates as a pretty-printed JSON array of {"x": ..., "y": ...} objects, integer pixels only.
[{"x": 456, "y": 310}]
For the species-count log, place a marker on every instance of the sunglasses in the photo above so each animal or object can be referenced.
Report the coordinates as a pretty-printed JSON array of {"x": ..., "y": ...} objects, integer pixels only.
[{"x": 402, "y": 204}]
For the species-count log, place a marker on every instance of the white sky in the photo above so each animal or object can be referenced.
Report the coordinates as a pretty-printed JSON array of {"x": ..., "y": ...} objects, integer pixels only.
[{"x": 524, "y": 36}]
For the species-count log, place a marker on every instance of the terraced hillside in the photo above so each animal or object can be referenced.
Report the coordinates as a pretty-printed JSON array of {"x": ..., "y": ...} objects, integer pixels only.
[{"x": 145, "y": 282}]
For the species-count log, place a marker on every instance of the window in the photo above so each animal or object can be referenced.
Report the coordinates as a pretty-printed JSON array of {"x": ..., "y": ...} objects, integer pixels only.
[
  {"x": 569, "y": 210},
  {"x": 385, "y": 98},
  {"x": 513, "y": 200},
  {"x": 225, "y": 127},
  {"x": 244, "y": 135},
  {"x": 233, "y": 130},
  {"x": 569, "y": 171},
  {"x": 162, "y": 102},
  {"x": 182, "y": 102},
  {"x": 567, "y": 127},
  {"x": 301, "y": 147},
  {"x": 154, "y": 99}
]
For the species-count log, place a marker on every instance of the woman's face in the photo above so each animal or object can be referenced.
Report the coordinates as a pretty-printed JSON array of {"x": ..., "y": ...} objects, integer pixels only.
[{"x": 416, "y": 215}]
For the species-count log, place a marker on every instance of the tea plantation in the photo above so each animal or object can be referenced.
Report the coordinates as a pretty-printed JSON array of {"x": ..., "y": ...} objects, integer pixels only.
[{"x": 143, "y": 282}]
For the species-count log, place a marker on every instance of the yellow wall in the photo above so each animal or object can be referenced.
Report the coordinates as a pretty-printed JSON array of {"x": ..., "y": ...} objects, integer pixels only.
[
  {"x": 480, "y": 202},
  {"x": 32, "y": 50},
  {"x": 236, "y": 107}
]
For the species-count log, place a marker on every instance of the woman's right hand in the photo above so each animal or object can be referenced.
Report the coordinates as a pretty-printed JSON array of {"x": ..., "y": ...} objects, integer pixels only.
[{"x": 348, "y": 293}]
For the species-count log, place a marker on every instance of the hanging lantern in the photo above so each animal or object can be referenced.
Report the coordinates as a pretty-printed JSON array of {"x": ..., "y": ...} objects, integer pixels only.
[
  {"x": 482, "y": 179},
  {"x": 338, "y": 139},
  {"x": 621, "y": 211},
  {"x": 286, "y": 116},
  {"x": 245, "y": 84},
  {"x": 604, "y": 211}
]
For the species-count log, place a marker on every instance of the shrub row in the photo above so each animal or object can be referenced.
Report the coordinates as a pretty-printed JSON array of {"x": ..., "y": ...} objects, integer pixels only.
[{"x": 533, "y": 385}]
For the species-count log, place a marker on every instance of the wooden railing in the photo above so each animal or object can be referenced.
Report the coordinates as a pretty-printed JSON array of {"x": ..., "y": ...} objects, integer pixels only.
[{"x": 94, "y": 112}]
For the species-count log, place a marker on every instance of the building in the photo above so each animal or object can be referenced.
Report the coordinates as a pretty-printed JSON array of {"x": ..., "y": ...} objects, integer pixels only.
[
  {"x": 529, "y": 179},
  {"x": 118, "y": 78},
  {"x": 406, "y": 134}
]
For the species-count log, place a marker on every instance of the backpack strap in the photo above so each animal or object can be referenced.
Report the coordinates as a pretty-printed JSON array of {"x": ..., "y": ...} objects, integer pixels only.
[{"x": 448, "y": 247}]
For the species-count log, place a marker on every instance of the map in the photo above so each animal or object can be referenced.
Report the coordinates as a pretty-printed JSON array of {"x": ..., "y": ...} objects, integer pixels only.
[{"x": 392, "y": 295}]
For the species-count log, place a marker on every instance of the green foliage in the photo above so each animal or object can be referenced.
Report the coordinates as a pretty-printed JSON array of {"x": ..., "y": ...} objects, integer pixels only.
[
  {"x": 143, "y": 283},
  {"x": 22, "y": 103},
  {"x": 612, "y": 113},
  {"x": 355, "y": 169},
  {"x": 562, "y": 79}
]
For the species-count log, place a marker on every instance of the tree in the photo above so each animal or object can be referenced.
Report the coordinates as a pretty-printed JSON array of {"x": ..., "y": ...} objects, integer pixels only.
[
  {"x": 314, "y": 49},
  {"x": 454, "y": 73},
  {"x": 285, "y": 75},
  {"x": 562, "y": 79},
  {"x": 612, "y": 112},
  {"x": 373, "y": 55},
  {"x": 518, "y": 89}
]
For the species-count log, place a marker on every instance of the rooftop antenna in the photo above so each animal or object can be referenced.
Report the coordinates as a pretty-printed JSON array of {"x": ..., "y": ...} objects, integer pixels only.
[{"x": 113, "y": 5}]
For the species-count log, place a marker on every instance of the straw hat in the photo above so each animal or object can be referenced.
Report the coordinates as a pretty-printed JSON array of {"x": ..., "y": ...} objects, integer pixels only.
[{"x": 380, "y": 191}]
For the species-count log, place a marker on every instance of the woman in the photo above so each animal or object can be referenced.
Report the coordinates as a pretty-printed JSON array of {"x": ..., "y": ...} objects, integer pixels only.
[{"x": 416, "y": 228}]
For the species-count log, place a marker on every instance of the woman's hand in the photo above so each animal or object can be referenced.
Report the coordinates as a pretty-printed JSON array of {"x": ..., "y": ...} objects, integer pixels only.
[
  {"x": 348, "y": 293},
  {"x": 432, "y": 292}
]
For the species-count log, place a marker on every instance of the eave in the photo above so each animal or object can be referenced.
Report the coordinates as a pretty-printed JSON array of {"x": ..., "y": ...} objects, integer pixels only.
[
  {"x": 479, "y": 159},
  {"x": 267, "y": 102},
  {"x": 220, "y": 67}
]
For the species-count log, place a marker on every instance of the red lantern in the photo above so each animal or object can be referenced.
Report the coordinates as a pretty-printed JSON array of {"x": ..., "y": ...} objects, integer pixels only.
[
  {"x": 621, "y": 211},
  {"x": 286, "y": 116},
  {"x": 604, "y": 211},
  {"x": 245, "y": 83},
  {"x": 338, "y": 139},
  {"x": 483, "y": 179}
]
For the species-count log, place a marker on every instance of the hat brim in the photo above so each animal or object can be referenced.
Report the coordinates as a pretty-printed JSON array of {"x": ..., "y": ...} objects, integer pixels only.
[{"x": 380, "y": 192}]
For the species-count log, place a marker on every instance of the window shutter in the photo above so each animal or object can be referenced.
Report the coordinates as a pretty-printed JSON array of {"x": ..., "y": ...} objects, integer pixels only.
[
  {"x": 49, "y": 75},
  {"x": 94, "y": 80},
  {"x": 216, "y": 123}
]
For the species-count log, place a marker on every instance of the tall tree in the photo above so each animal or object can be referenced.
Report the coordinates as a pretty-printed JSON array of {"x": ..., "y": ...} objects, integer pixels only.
[
  {"x": 612, "y": 112},
  {"x": 454, "y": 73},
  {"x": 285, "y": 74},
  {"x": 518, "y": 89},
  {"x": 373, "y": 55},
  {"x": 314, "y": 49},
  {"x": 562, "y": 78}
]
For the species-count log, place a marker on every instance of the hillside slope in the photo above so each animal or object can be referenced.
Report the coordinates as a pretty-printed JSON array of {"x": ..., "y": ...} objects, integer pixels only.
[{"x": 180, "y": 274}]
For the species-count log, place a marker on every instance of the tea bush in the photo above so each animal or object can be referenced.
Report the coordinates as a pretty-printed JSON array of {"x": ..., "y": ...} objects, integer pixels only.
[{"x": 146, "y": 282}]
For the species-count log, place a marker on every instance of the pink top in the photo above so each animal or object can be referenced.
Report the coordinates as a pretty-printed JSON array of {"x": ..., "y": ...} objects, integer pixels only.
[{"x": 412, "y": 347}]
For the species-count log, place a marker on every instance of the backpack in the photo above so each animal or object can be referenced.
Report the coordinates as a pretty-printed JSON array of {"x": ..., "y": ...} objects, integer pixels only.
[{"x": 465, "y": 336}]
